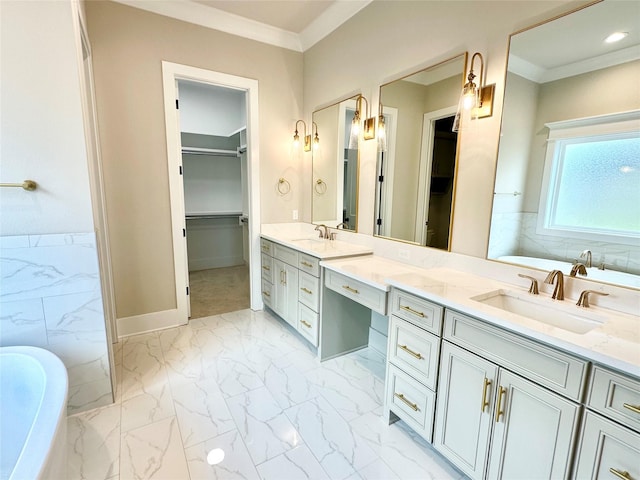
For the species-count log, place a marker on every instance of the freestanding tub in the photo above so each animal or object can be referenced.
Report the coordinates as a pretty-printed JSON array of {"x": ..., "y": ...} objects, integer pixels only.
[{"x": 33, "y": 403}]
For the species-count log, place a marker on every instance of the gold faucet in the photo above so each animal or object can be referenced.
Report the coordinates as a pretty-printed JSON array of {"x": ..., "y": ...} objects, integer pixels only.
[
  {"x": 558, "y": 292},
  {"x": 586, "y": 254},
  {"x": 319, "y": 229},
  {"x": 578, "y": 268},
  {"x": 583, "y": 301}
]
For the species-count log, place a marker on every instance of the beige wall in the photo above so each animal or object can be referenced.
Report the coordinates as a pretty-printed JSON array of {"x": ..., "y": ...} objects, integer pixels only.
[
  {"x": 388, "y": 39},
  {"x": 128, "y": 48},
  {"x": 609, "y": 90},
  {"x": 325, "y": 165},
  {"x": 42, "y": 133}
]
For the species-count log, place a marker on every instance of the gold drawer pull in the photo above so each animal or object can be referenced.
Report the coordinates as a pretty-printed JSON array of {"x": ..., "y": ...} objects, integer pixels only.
[
  {"x": 348, "y": 288},
  {"x": 306, "y": 264},
  {"x": 411, "y": 310},
  {"x": 306, "y": 290},
  {"x": 413, "y": 406},
  {"x": 633, "y": 408},
  {"x": 620, "y": 474},
  {"x": 485, "y": 402},
  {"x": 411, "y": 352},
  {"x": 265, "y": 247},
  {"x": 266, "y": 294},
  {"x": 499, "y": 410},
  {"x": 306, "y": 324},
  {"x": 264, "y": 267}
]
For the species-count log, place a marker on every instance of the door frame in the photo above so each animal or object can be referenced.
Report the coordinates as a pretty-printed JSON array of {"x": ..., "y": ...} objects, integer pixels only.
[
  {"x": 171, "y": 73},
  {"x": 424, "y": 175}
]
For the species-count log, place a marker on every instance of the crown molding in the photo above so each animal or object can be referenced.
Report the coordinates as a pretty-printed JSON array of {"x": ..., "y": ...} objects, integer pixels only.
[
  {"x": 216, "y": 19},
  {"x": 334, "y": 16}
]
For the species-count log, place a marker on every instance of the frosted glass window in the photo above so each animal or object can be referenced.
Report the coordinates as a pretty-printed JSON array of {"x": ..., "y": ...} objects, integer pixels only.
[{"x": 595, "y": 185}]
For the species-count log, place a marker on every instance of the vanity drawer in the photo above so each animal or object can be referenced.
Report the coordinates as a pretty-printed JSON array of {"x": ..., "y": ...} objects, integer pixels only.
[
  {"x": 309, "y": 264},
  {"x": 615, "y": 396},
  {"x": 416, "y": 310},
  {"x": 546, "y": 366},
  {"x": 309, "y": 293},
  {"x": 267, "y": 267},
  {"x": 286, "y": 254},
  {"x": 414, "y": 351},
  {"x": 308, "y": 323},
  {"x": 266, "y": 246},
  {"x": 360, "y": 292},
  {"x": 411, "y": 401},
  {"x": 267, "y": 295}
]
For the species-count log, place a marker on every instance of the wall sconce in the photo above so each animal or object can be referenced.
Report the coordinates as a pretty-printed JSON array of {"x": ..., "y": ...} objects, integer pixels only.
[
  {"x": 316, "y": 139},
  {"x": 476, "y": 99},
  {"x": 307, "y": 138},
  {"x": 368, "y": 128},
  {"x": 381, "y": 131}
]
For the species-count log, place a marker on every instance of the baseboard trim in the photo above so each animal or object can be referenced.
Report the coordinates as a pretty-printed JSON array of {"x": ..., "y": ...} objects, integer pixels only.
[{"x": 149, "y": 322}]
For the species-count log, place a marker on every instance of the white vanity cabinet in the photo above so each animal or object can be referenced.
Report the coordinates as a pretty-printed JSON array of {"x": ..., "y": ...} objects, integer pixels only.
[
  {"x": 412, "y": 354},
  {"x": 609, "y": 444},
  {"x": 494, "y": 423},
  {"x": 291, "y": 287}
]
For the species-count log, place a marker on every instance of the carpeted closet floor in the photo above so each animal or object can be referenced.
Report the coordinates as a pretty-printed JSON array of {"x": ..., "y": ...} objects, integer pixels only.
[{"x": 219, "y": 290}]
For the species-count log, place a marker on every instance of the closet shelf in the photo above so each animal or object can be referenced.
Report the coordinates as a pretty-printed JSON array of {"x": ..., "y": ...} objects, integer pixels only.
[
  {"x": 201, "y": 215},
  {"x": 209, "y": 151}
]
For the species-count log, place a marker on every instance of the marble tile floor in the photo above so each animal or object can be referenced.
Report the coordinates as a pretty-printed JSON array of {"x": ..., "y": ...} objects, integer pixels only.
[
  {"x": 246, "y": 383},
  {"x": 219, "y": 290}
]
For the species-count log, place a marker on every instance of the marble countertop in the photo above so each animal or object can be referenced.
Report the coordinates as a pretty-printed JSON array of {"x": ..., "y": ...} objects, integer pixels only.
[
  {"x": 614, "y": 343},
  {"x": 317, "y": 247}
]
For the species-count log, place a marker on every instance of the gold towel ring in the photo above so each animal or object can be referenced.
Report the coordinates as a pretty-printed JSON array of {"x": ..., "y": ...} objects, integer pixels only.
[
  {"x": 284, "y": 186},
  {"x": 320, "y": 187}
]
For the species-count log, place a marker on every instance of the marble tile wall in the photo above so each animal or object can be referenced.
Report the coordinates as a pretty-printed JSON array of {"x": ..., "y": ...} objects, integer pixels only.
[
  {"x": 50, "y": 297},
  {"x": 515, "y": 234}
]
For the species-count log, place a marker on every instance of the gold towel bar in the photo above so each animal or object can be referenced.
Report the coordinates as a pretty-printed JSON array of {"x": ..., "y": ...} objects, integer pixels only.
[{"x": 27, "y": 185}]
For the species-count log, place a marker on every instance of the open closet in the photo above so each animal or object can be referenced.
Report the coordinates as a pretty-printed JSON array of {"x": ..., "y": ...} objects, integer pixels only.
[{"x": 214, "y": 161}]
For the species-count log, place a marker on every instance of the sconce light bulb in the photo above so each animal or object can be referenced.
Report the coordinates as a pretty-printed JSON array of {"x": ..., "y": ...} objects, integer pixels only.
[
  {"x": 296, "y": 140},
  {"x": 316, "y": 142},
  {"x": 469, "y": 98}
]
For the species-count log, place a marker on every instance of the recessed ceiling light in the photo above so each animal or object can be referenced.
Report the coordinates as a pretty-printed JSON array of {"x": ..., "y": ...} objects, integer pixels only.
[
  {"x": 616, "y": 37},
  {"x": 215, "y": 456}
]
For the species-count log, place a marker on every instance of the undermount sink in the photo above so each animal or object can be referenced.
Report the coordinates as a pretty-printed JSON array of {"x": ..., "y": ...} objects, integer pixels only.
[
  {"x": 551, "y": 312},
  {"x": 312, "y": 240}
]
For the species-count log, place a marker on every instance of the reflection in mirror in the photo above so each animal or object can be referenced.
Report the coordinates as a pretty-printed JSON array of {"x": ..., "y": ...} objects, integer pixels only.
[
  {"x": 567, "y": 187},
  {"x": 335, "y": 167},
  {"x": 416, "y": 167}
]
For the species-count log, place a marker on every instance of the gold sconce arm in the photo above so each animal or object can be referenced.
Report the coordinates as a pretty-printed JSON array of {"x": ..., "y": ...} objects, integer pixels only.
[{"x": 307, "y": 138}]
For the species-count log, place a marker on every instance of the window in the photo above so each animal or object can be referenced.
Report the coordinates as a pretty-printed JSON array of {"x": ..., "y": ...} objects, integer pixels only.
[{"x": 591, "y": 184}]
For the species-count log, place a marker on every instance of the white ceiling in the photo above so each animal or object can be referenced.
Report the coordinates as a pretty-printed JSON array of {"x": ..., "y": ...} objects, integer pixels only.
[
  {"x": 574, "y": 44},
  {"x": 292, "y": 24}
]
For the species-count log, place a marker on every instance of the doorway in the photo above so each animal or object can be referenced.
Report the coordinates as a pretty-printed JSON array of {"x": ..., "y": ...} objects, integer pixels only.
[
  {"x": 212, "y": 123},
  {"x": 213, "y": 127},
  {"x": 437, "y": 179}
]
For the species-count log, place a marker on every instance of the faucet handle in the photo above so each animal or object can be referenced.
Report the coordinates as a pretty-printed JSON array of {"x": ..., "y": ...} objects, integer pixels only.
[
  {"x": 533, "y": 288},
  {"x": 583, "y": 300}
]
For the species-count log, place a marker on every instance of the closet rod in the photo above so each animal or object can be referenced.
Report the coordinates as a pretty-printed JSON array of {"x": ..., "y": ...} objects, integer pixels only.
[
  {"x": 209, "y": 216},
  {"x": 209, "y": 151}
]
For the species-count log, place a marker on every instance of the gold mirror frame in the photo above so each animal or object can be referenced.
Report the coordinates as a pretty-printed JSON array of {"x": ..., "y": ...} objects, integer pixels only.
[
  {"x": 507, "y": 191},
  {"x": 400, "y": 214},
  {"x": 328, "y": 189}
]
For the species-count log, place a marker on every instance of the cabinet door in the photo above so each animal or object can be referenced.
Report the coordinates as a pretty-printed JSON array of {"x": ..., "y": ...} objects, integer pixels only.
[
  {"x": 607, "y": 450},
  {"x": 464, "y": 409},
  {"x": 533, "y": 431},
  {"x": 285, "y": 286}
]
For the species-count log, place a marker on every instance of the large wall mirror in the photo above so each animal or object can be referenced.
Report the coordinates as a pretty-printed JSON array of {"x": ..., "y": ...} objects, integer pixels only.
[
  {"x": 416, "y": 166},
  {"x": 567, "y": 186},
  {"x": 335, "y": 167}
]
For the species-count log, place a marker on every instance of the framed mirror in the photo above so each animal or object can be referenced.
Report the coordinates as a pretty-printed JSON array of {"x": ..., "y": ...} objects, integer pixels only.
[
  {"x": 335, "y": 167},
  {"x": 416, "y": 168},
  {"x": 567, "y": 186}
]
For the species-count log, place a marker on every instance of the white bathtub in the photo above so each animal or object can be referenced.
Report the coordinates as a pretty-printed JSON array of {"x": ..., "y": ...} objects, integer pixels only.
[
  {"x": 33, "y": 403},
  {"x": 593, "y": 273}
]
